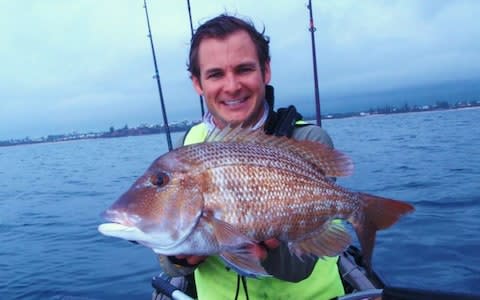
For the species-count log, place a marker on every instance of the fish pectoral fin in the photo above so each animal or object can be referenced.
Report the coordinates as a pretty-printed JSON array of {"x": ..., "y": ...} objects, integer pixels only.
[
  {"x": 329, "y": 241},
  {"x": 238, "y": 251},
  {"x": 228, "y": 236},
  {"x": 244, "y": 262}
]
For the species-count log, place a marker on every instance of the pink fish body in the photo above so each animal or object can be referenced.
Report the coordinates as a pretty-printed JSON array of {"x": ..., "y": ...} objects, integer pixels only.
[{"x": 242, "y": 187}]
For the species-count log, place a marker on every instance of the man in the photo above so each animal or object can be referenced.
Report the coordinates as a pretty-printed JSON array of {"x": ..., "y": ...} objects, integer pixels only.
[{"x": 230, "y": 67}]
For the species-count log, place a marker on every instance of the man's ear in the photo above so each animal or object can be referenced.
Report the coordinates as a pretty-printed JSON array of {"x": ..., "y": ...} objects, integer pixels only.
[
  {"x": 197, "y": 85},
  {"x": 267, "y": 74}
]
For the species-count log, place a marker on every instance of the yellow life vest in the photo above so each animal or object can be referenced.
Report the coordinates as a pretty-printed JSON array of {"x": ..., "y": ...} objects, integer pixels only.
[{"x": 214, "y": 281}]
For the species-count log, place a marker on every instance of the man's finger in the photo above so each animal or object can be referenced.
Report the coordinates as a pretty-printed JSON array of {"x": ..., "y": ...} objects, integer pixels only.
[
  {"x": 195, "y": 260},
  {"x": 272, "y": 243}
]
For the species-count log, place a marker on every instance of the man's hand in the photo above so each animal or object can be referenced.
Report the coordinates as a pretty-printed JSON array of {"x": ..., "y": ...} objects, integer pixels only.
[
  {"x": 267, "y": 245},
  {"x": 272, "y": 243},
  {"x": 194, "y": 260}
]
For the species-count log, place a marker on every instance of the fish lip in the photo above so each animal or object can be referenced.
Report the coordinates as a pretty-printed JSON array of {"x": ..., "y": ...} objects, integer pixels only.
[
  {"x": 118, "y": 217},
  {"x": 105, "y": 227},
  {"x": 109, "y": 215}
]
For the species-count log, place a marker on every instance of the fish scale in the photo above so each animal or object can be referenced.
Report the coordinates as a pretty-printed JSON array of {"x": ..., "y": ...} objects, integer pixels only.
[
  {"x": 299, "y": 202},
  {"x": 217, "y": 153}
]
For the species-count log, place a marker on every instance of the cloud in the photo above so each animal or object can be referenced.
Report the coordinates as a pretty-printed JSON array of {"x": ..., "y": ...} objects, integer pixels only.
[{"x": 83, "y": 65}]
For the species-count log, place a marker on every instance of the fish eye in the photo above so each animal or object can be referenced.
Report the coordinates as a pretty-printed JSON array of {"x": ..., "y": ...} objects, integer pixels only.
[{"x": 160, "y": 179}]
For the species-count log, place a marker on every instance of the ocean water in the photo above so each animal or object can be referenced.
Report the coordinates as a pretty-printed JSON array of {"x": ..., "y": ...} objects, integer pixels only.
[{"x": 51, "y": 196}]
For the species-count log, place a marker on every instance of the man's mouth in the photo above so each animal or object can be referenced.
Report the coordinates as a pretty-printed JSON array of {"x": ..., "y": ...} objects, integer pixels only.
[{"x": 235, "y": 102}]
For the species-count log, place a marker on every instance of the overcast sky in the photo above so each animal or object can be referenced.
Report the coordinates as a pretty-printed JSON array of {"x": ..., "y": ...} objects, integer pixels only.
[{"x": 86, "y": 65}]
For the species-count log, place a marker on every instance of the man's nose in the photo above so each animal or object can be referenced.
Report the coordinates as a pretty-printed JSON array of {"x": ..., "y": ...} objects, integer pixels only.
[{"x": 232, "y": 84}]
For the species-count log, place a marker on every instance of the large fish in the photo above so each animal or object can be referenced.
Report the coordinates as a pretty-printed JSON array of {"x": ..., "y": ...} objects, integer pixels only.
[{"x": 241, "y": 187}]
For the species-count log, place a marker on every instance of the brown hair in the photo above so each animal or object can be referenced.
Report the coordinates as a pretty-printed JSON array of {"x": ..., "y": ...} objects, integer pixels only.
[{"x": 220, "y": 27}]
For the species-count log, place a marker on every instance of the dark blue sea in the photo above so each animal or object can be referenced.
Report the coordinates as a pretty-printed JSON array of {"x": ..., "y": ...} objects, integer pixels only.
[{"x": 51, "y": 196}]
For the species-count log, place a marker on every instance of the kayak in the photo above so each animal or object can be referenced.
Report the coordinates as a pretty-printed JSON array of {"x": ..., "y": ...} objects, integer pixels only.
[{"x": 358, "y": 284}]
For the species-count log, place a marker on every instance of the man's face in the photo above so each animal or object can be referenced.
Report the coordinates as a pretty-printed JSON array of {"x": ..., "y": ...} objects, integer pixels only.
[{"x": 231, "y": 79}]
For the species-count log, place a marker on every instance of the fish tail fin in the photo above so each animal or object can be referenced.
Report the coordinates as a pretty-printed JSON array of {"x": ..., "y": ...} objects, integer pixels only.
[{"x": 378, "y": 213}]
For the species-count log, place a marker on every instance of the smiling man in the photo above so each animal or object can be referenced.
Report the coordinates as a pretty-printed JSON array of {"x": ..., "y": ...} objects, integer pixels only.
[
  {"x": 230, "y": 67},
  {"x": 231, "y": 78}
]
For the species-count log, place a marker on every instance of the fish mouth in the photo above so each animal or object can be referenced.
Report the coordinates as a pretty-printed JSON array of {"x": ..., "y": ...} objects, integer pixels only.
[
  {"x": 129, "y": 227},
  {"x": 121, "y": 226}
]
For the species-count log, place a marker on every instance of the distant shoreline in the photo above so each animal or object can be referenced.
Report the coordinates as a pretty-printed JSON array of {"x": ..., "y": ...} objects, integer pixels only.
[
  {"x": 407, "y": 112},
  {"x": 183, "y": 126}
]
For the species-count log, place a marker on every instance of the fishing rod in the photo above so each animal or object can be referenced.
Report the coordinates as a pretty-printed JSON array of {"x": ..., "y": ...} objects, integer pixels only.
[
  {"x": 312, "y": 30},
  {"x": 157, "y": 77},
  {"x": 191, "y": 32}
]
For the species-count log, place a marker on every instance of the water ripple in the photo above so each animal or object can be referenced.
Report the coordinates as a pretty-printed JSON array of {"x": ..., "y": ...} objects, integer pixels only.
[{"x": 52, "y": 195}]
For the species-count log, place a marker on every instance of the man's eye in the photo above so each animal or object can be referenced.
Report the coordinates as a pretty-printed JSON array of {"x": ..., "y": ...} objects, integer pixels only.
[
  {"x": 245, "y": 70},
  {"x": 214, "y": 75}
]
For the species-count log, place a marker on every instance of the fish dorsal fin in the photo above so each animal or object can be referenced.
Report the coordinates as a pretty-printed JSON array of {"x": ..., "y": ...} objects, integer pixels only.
[
  {"x": 230, "y": 133},
  {"x": 330, "y": 161}
]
